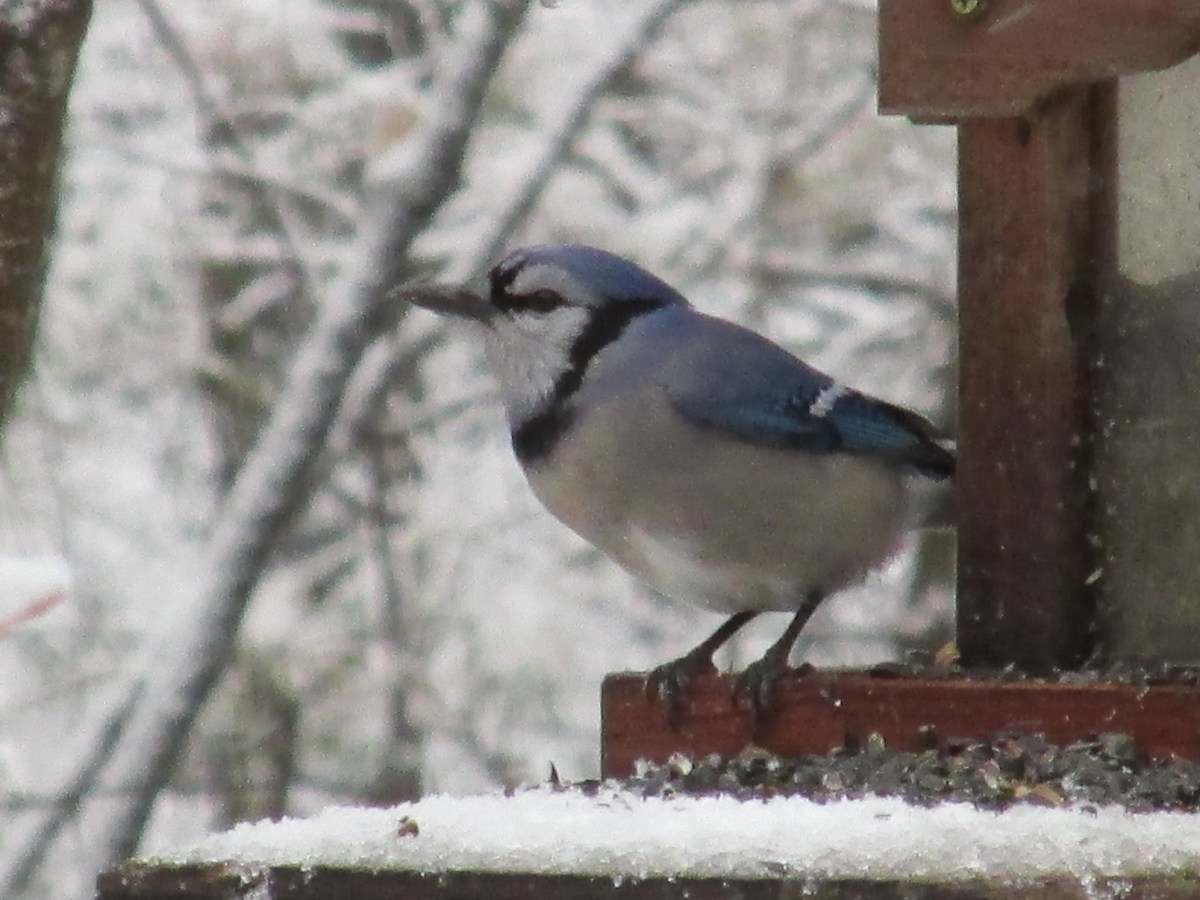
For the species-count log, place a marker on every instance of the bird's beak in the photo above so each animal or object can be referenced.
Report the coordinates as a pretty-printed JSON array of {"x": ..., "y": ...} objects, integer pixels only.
[{"x": 467, "y": 301}]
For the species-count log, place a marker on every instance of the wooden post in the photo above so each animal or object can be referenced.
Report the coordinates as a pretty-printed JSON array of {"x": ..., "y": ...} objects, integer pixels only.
[{"x": 1035, "y": 212}]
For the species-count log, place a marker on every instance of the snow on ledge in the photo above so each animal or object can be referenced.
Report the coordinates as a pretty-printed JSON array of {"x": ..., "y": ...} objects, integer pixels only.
[{"x": 615, "y": 833}]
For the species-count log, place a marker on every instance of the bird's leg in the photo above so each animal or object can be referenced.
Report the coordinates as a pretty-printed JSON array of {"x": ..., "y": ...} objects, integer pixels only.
[
  {"x": 757, "y": 682},
  {"x": 666, "y": 683}
]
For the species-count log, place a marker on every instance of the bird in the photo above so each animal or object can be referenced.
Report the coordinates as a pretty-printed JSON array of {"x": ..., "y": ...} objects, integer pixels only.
[{"x": 706, "y": 460}]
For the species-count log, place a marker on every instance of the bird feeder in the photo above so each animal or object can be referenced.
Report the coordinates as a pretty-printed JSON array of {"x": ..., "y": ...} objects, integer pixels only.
[{"x": 1079, "y": 392}]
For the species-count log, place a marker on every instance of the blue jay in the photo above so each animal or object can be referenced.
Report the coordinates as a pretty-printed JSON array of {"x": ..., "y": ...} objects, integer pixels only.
[{"x": 701, "y": 457}]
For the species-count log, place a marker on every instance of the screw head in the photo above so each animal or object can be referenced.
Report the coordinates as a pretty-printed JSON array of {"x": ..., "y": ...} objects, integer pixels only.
[{"x": 968, "y": 9}]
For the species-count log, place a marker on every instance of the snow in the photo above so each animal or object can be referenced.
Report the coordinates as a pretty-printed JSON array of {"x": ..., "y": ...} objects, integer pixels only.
[
  {"x": 28, "y": 580},
  {"x": 616, "y": 833}
]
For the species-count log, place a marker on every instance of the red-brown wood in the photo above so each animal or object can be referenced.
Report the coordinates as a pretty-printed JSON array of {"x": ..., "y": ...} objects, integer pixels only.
[
  {"x": 823, "y": 711},
  {"x": 1015, "y": 53},
  {"x": 1035, "y": 221}
]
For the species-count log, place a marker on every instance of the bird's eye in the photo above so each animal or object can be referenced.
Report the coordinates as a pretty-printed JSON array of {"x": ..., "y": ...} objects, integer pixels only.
[{"x": 535, "y": 301}]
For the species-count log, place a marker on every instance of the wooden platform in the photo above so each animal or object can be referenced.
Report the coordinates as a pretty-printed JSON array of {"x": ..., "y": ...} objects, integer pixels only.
[
  {"x": 816, "y": 713},
  {"x": 296, "y": 883},
  {"x": 823, "y": 711}
]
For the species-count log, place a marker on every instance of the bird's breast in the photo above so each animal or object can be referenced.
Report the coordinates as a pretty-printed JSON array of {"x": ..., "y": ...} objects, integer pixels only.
[{"x": 711, "y": 519}]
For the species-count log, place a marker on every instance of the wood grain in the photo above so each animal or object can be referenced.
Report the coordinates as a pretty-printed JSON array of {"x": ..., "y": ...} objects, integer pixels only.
[{"x": 823, "y": 711}]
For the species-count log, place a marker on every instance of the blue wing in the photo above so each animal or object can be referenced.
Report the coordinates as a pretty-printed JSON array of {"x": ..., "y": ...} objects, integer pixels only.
[{"x": 742, "y": 384}]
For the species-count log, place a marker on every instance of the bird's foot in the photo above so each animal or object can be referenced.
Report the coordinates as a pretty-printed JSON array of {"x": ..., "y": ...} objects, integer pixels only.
[
  {"x": 757, "y": 684},
  {"x": 755, "y": 687},
  {"x": 667, "y": 684}
]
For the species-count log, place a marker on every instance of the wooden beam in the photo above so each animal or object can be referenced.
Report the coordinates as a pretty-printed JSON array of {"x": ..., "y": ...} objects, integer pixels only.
[
  {"x": 1036, "y": 217},
  {"x": 972, "y": 58},
  {"x": 823, "y": 711}
]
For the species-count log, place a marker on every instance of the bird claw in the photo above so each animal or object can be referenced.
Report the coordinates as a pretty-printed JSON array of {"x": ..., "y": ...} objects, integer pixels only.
[
  {"x": 667, "y": 684},
  {"x": 755, "y": 687}
]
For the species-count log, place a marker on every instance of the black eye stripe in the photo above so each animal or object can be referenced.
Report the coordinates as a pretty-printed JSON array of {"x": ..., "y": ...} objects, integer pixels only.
[
  {"x": 504, "y": 298},
  {"x": 537, "y": 301},
  {"x": 536, "y": 437},
  {"x": 504, "y": 275}
]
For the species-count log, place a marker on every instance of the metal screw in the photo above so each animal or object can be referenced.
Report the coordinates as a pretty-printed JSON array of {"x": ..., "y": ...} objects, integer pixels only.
[{"x": 968, "y": 9}]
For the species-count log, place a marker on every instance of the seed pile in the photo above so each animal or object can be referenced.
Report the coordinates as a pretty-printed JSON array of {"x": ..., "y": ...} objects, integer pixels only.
[{"x": 992, "y": 774}]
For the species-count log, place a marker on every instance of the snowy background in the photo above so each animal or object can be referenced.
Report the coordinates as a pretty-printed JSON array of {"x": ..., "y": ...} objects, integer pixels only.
[{"x": 404, "y": 618}]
